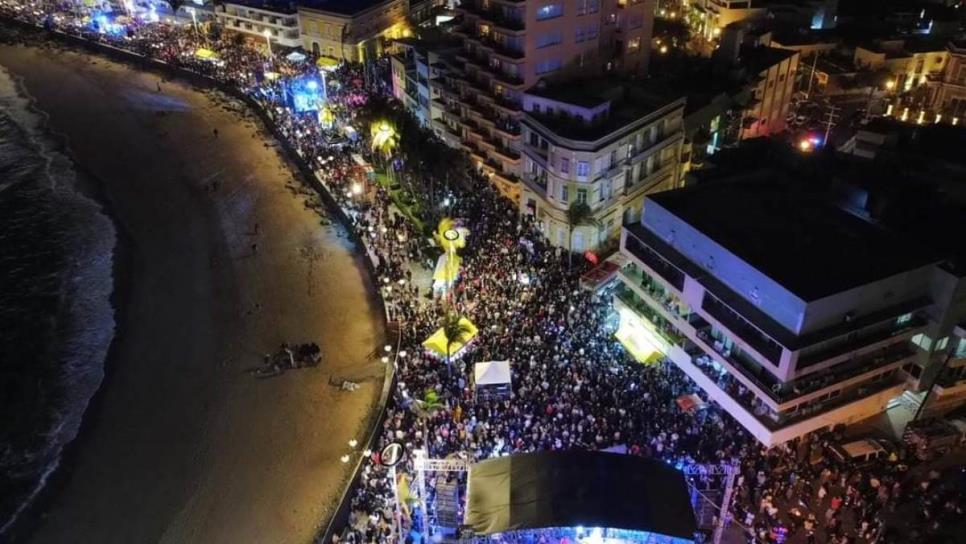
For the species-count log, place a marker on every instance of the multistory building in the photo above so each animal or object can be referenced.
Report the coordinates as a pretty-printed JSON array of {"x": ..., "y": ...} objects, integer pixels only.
[
  {"x": 946, "y": 91},
  {"x": 352, "y": 30},
  {"x": 262, "y": 20},
  {"x": 603, "y": 143},
  {"x": 790, "y": 312},
  {"x": 510, "y": 45}
]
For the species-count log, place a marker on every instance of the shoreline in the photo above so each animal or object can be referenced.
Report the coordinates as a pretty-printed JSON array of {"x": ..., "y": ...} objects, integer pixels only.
[{"x": 123, "y": 267}]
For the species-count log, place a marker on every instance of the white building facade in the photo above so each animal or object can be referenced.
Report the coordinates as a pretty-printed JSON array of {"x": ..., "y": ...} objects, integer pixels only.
[
  {"x": 276, "y": 22},
  {"x": 781, "y": 363}
]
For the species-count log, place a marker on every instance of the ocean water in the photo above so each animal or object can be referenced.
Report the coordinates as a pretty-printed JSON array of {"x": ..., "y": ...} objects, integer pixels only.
[{"x": 56, "y": 318}]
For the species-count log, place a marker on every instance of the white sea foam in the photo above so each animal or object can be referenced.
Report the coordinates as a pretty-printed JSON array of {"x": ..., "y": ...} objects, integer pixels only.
[{"x": 84, "y": 319}]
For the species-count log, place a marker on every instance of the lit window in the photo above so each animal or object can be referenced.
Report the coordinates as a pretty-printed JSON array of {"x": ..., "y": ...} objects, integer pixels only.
[
  {"x": 565, "y": 165},
  {"x": 583, "y": 169},
  {"x": 564, "y": 193},
  {"x": 549, "y": 11},
  {"x": 903, "y": 319},
  {"x": 942, "y": 343},
  {"x": 582, "y": 196}
]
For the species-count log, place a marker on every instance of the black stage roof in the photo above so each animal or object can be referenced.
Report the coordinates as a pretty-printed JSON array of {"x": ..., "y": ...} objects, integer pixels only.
[
  {"x": 570, "y": 489},
  {"x": 802, "y": 241}
]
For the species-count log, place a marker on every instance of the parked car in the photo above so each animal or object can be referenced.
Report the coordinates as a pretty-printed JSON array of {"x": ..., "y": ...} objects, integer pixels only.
[
  {"x": 928, "y": 438},
  {"x": 861, "y": 452}
]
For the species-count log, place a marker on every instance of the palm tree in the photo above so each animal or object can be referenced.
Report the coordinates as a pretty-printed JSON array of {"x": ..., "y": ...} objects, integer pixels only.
[
  {"x": 579, "y": 213},
  {"x": 426, "y": 408},
  {"x": 455, "y": 331}
]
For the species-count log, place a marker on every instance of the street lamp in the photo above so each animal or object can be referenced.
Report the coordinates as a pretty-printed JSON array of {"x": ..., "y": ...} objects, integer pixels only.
[
  {"x": 890, "y": 84},
  {"x": 268, "y": 39}
]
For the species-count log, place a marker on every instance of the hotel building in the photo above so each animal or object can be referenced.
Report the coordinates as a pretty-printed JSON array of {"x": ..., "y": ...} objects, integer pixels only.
[
  {"x": 509, "y": 46},
  {"x": 352, "y": 30},
  {"x": 791, "y": 313},
  {"x": 602, "y": 143},
  {"x": 257, "y": 18}
]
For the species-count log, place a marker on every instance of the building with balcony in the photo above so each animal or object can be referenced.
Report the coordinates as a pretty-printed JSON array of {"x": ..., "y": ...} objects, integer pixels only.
[
  {"x": 261, "y": 19},
  {"x": 601, "y": 142},
  {"x": 418, "y": 70},
  {"x": 510, "y": 45},
  {"x": 790, "y": 312},
  {"x": 709, "y": 18},
  {"x": 352, "y": 30},
  {"x": 946, "y": 90}
]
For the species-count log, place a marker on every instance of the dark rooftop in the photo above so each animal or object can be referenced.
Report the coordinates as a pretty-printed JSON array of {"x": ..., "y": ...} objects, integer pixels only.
[
  {"x": 629, "y": 101},
  {"x": 278, "y": 6},
  {"x": 800, "y": 240},
  {"x": 343, "y": 7},
  {"x": 759, "y": 59}
]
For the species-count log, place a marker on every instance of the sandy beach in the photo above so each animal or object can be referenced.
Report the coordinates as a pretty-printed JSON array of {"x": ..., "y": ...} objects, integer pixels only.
[{"x": 183, "y": 444}]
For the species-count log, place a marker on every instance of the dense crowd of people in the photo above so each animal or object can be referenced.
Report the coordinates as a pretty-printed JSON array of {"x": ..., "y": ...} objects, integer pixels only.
[{"x": 574, "y": 387}]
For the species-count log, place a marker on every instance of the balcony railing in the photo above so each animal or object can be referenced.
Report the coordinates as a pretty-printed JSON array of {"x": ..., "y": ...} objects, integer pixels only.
[
  {"x": 501, "y": 49},
  {"x": 783, "y": 392},
  {"x": 740, "y": 327},
  {"x": 662, "y": 326},
  {"x": 648, "y": 256}
]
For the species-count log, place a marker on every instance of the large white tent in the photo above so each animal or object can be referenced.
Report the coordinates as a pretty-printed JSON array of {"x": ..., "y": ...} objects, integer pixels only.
[{"x": 492, "y": 379}]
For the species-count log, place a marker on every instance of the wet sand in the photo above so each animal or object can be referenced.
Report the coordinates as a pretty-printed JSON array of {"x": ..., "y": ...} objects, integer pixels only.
[{"x": 183, "y": 444}]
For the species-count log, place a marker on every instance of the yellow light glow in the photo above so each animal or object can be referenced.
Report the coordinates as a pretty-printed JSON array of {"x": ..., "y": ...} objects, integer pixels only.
[
  {"x": 955, "y": 121},
  {"x": 891, "y": 84},
  {"x": 663, "y": 49},
  {"x": 888, "y": 112},
  {"x": 921, "y": 118},
  {"x": 905, "y": 114},
  {"x": 805, "y": 145},
  {"x": 939, "y": 117},
  {"x": 639, "y": 337},
  {"x": 717, "y": 32}
]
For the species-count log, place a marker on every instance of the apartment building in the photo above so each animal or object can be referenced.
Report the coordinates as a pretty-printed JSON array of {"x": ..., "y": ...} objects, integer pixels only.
[
  {"x": 946, "y": 90},
  {"x": 510, "y": 45},
  {"x": 791, "y": 313},
  {"x": 261, "y": 19},
  {"x": 772, "y": 74},
  {"x": 417, "y": 82},
  {"x": 709, "y": 18},
  {"x": 908, "y": 63},
  {"x": 600, "y": 142},
  {"x": 352, "y": 30}
]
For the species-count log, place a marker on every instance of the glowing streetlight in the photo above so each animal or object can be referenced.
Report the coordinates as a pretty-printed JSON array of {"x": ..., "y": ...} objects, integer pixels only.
[
  {"x": 663, "y": 49},
  {"x": 890, "y": 84},
  {"x": 268, "y": 39},
  {"x": 805, "y": 145}
]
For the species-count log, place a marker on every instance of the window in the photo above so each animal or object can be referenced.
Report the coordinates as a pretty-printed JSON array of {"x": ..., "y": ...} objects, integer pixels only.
[
  {"x": 548, "y": 66},
  {"x": 582, "y": 196},
  {"x": 583, "y": 169},
  {"x": 593, "y": 6},
  {"x": 592, "y": 30},
  {"x": 580, "y": 34},
  {"x": 633, "y": 45},
  {"x": 922, "y": 341},
  {"x": 564, "y": 193},
  {"x": 942, "y": 343},
  {"x": 581, "y": 7},
  {"x": 903, "y": 319},
  {"x": 564, "y": 165},
  {"x": 549, "y": 11},
  {"x": 549, "y": 38}
]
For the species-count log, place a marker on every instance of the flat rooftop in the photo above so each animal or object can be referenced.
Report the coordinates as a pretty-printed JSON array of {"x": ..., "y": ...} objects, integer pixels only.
[
  {"x": 802, "y": 241},
  {"x": 629, "y": 102},
  {"x": 342, "y": 7}
]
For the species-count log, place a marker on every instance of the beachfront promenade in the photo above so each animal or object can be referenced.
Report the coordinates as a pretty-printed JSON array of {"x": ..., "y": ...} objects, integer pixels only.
[
  {"x": 574, "y": 387},
  {"x": 185, "y": 444}
]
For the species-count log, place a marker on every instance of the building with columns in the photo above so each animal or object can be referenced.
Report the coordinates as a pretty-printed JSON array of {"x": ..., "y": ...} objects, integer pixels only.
[{"x": 601, "y": 142}]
